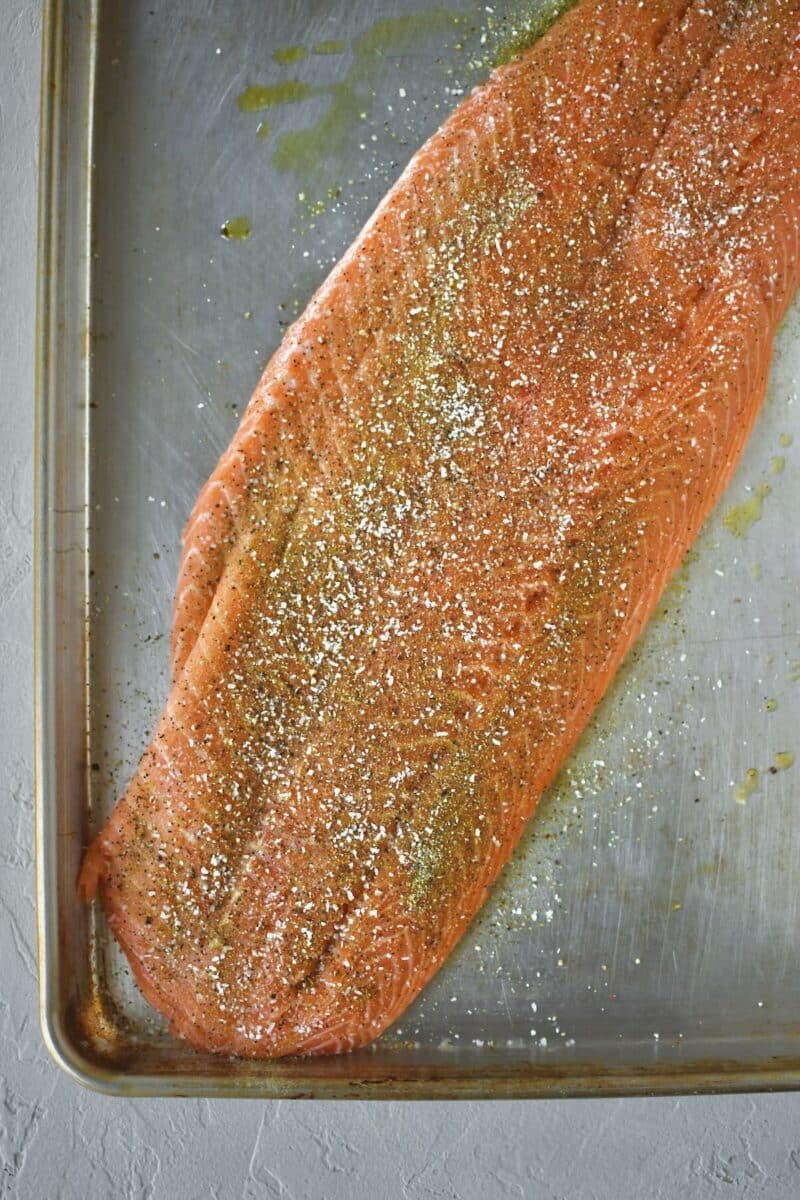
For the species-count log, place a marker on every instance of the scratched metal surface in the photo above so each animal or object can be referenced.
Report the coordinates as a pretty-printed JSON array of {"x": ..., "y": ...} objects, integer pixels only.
[{"x": 649, "y": 920}]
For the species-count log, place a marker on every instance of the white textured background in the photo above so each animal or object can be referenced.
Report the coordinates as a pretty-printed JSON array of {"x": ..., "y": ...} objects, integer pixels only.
[{"x": 59, "y": 1141}]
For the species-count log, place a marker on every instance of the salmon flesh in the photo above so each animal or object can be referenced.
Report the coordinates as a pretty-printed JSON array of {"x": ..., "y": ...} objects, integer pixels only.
[{"x": 454, "y": 500}]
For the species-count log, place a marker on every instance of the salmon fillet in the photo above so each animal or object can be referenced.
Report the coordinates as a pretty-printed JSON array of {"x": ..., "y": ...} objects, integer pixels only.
[{"x": 454, "y": 500}]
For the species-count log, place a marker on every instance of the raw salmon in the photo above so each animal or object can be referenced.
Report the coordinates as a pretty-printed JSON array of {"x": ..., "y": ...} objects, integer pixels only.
[{"x": 454, "y": 500}]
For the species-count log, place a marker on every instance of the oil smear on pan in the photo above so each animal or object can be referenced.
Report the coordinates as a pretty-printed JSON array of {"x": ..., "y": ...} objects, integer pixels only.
[
  {"x": 302, "y": 151},
  {"x": 744, "y": 790},
  {"x": 289, "y": 54},
  {"x": 739, "y": 518},
  {"x": 751, "y": 783},
  {"x": 236, "y": 229},
  {"x": 259, "y": 96},
  {"x": 305, "y": 152},
  {"x": 332, "y": 47}
]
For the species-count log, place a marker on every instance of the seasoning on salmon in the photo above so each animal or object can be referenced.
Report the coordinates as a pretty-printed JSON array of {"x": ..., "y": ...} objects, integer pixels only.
[{"x": 454, "y": 500}]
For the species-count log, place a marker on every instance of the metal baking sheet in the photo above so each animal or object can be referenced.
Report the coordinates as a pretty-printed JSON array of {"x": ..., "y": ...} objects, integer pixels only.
[{"x": 646, "y": 936}]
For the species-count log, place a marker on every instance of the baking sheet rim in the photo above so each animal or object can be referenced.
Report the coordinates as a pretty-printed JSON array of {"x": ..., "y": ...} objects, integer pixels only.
[{"x": 528, "y": 1081}]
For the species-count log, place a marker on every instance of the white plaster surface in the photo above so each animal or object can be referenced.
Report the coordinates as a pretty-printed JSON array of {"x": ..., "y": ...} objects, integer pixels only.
[{"x": 58, "y": 1141}]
